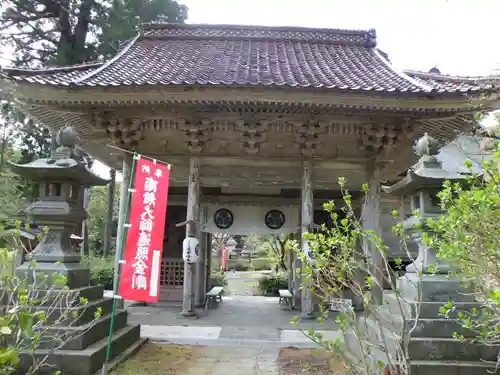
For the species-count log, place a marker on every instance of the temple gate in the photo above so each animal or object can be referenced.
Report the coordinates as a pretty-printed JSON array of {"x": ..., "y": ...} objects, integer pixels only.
[{"x": 268, "y": 117}]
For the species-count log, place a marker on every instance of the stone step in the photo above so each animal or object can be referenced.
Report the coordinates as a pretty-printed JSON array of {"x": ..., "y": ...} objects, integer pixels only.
[
  {"x": 423, "y": 348},
  {"x": 427, "y": 367},
  {"x": 127, "y": 353},
  {"x": 75, "y": 316},
  {"x": 396, "y": 305},
  {"x": 91, "y": 359},
  {"x": 81, "y": 314},
  {"x": 82, "y": 336},
  {"x": 359, "y": 357},
  {"x": 89, "y": 292},
  {"x": 425, "y": 327}
]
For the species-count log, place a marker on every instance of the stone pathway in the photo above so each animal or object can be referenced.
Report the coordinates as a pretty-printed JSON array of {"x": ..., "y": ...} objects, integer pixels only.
[
  {"x": 249, "y": 360},
  {"x": 260, "y": 314},
  {"x": 232, "y": 336},
  {"x": 243, "y": 336},
  {"x": 161, "y": 359},
  {"x": 244, "y": 283}
]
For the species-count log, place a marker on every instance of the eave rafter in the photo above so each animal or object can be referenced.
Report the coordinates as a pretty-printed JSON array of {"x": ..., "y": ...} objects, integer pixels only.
[{"x": 241, "y": 95}]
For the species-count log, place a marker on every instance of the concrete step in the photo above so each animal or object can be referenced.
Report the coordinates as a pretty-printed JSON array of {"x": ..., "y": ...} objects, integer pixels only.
[
  {"x": 80, "y": 337},
  {"x": 453, "y": 368},
  {"x": 424, "y": 348},
  {"x": 91, "y": 359}
]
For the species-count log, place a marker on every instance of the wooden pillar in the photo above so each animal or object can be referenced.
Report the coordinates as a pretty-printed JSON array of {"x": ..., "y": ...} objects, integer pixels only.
[
  {"x": 85, "y": 248},
  {"x": 371, "y": 221},
  {"x": 122, "y": 208},
  {"x": 109, "y": 216},
  {"x": 208, "y": 273},
  {"x": 192, "y": 216},
  {"x": 200, "y": 275},
  {"x": 291, "y": 257},
  {"x": 307, "y": 217}
]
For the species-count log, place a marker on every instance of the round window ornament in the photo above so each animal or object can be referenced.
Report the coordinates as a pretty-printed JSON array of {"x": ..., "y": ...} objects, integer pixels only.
[
  {"x": 275, "y": 219},
  {"x": 223, "y": 218}
]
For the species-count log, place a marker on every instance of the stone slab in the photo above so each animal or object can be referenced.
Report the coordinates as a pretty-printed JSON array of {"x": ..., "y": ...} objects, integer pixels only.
[
  {"x": 295, "y": 338},
  {"x": 168, "y": 333},
  {"x": 253, "y": 333}
]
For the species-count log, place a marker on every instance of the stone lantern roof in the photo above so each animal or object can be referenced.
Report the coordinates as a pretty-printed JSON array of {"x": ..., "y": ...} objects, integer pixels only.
[
  {"x": 64, "y": 163},
  {"x": 427, "y": 173}
]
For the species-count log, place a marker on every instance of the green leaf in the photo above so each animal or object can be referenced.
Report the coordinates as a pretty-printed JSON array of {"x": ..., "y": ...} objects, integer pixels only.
[
  {"x": 5, "y": 330},
  {"x": 26, "y": 323}
]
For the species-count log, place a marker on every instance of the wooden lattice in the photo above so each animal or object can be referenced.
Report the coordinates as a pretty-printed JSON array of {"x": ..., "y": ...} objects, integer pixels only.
[{"x": 172, "y": 272}]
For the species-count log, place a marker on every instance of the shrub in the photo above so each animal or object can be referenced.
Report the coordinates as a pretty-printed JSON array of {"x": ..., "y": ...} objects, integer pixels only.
[
  {"x": 218, "y": 279},
  {"x": 257, "y": 264},
  {"x": 270, "y": 284},
  {"x": 33, "y": 312},
  {"x": 101, "y": 271}
]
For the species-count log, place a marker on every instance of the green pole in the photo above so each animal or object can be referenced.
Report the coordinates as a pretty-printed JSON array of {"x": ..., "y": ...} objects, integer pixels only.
[{"x": 117, "y": 281}]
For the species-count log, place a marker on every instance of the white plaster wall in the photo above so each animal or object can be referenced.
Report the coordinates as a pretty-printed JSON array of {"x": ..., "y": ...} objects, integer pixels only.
[{"x": 250, "y": 219}]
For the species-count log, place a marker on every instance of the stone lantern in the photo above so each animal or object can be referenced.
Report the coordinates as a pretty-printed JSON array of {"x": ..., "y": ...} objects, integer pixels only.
[
  {"x": 61, "y": 180},
  {"x": 421, "y": 185},
  {"x": 428, "y": 284},
  {"x": 59, "y": 208}
]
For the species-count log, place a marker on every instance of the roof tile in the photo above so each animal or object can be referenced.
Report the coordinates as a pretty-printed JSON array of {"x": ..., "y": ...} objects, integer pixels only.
[
  {"x": 173, "y": 54},
  {"x": 446, "y": 83}
]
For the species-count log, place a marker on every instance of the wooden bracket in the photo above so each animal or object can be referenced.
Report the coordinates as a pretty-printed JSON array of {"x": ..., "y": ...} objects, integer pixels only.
[
  {"x": 187, "y": 222},
  {"x": 313, "y": 225}
]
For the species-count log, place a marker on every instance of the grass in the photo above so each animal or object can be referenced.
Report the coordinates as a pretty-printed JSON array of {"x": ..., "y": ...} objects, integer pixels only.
[
  {"x": 154, "y": 359},
  {"x": 293, "y": 361}
]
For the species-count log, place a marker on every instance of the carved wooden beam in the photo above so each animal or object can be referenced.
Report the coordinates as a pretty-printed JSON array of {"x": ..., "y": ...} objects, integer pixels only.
[
  {"x": 307, "y": 136},
  {"x": 123, "y": 132},
  {"x": 197, "y": 132},
  {"x": 253, "y": 134},
  {"x": 379, "y": 139}
]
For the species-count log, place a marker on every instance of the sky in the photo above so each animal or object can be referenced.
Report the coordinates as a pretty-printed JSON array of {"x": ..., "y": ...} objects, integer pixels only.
[{"x": 457, "y": 36}]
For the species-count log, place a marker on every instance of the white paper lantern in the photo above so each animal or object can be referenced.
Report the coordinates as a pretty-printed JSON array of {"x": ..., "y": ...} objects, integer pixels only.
[
  {"x": 307, "y": 251},
  {"x": 190, "y": 249}
]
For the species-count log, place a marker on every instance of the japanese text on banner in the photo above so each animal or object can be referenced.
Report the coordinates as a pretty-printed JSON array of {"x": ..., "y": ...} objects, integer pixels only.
[{"x": 139, "y": 280}]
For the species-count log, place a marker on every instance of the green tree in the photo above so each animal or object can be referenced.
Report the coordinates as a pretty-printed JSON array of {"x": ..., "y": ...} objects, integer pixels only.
[
  {"x": 97, "y": 212},
  {"x": 64, "y": 32},
  {"x": 12, "y": 201}
]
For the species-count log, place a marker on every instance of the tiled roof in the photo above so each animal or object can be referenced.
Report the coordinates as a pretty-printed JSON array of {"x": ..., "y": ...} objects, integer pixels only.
[
  {"x": 54, "y": 76},
  {"x": 174, "y": 54},
  {"x": 446, "y": 83}
]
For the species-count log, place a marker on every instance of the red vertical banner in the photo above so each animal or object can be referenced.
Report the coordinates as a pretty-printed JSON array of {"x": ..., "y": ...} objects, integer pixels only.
[
  {"x": 223, "y": 258},
  {"x": 142, "y": 254}
]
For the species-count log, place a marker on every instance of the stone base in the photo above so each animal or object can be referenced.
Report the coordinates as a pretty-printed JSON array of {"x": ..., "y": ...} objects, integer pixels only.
[
  {"x": 432, "y": 288},
  {"x": 77, "y": 275},
  {"x": 431, "y": 348},
  {"x": 84, "y": 351}
]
